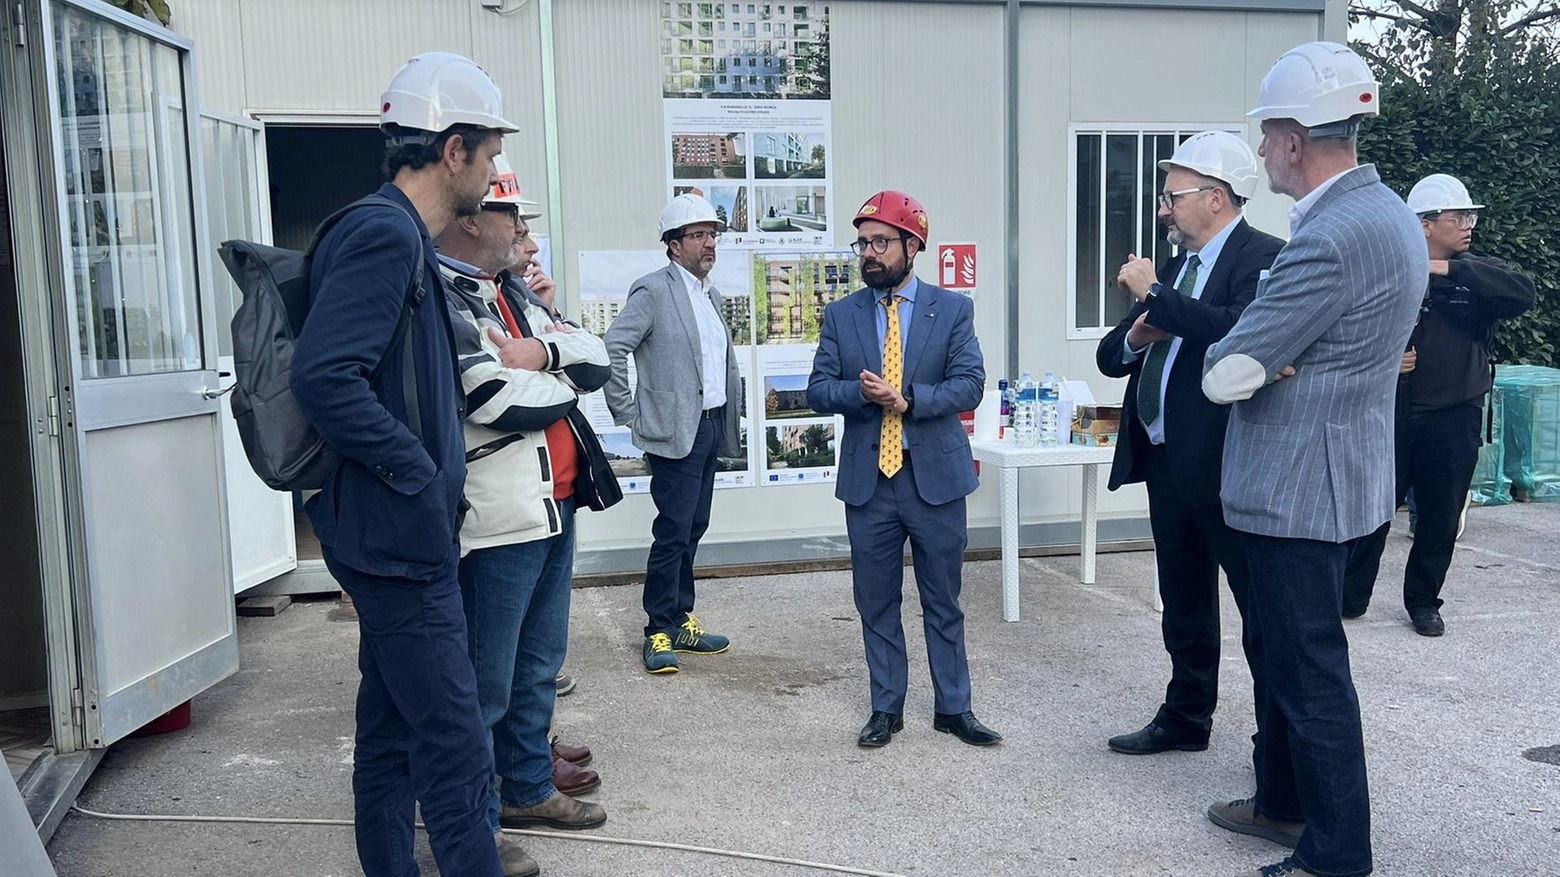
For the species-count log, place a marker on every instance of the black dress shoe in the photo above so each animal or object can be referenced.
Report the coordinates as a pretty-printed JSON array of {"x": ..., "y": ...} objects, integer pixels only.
[
  {"x": 1155, "y": 738},
  {"x": 967, "y": 728},
  {"x": 880, "y": 728},
  {"x": 1429, "y": 623}
]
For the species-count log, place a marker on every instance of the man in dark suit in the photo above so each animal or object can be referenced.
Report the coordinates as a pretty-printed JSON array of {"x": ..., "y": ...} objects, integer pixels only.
[
  {"x": 1174, "y": 437},
  {"x": 899, "y": 361}
]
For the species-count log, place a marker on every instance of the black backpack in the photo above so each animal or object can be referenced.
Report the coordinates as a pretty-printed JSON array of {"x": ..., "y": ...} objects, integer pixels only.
[{"x": 282, "y": 445}]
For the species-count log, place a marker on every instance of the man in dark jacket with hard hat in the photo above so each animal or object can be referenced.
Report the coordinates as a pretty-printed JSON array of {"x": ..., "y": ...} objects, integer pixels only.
[
  {"x": 1172, "y": 436},
  {"x": 387, "y": 519},
  {"x": 1445, "y": 375}
]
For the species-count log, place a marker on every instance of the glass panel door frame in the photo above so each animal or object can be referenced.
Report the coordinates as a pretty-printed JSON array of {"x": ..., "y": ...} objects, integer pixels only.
[{"x": 92, "y": 404}]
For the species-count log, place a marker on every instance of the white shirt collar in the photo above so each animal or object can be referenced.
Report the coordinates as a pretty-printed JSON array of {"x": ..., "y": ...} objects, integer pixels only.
[{"x": 1304, "y": 205}]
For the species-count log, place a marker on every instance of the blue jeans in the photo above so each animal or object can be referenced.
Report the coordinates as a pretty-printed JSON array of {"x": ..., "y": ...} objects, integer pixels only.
[
  {"x": 1310, "y": 751},
  {"x": 419, "y": 735},
  {"x": 683, "y": 489},
  {"x": 517, "y": 614}
]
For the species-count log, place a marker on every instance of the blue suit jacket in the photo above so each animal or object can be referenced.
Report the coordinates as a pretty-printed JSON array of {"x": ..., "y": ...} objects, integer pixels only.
[
  {"x": 943, "y": 370},
  {"x": 391, "y": 508}
]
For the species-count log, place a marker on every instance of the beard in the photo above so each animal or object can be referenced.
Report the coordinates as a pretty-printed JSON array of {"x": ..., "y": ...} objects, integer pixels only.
[
  {"x": 1175, "y": 236},
  {"x": 879, "y": 276}
]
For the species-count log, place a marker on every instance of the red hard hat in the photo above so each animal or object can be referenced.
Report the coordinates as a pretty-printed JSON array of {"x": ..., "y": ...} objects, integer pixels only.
[{"x": 897, "y": 209}]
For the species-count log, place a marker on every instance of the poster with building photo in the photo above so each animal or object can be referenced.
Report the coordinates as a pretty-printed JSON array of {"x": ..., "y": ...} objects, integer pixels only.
[
  {"x": 605, "y": 277},
  {"x": 800, "y": 444},
  {"x": 746, "y": 91}
]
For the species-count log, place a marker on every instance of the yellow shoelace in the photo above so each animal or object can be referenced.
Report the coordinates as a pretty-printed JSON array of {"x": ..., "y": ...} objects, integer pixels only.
[
  {"x": 660, "y": 642},
  {"x": 692, "y": 625}
]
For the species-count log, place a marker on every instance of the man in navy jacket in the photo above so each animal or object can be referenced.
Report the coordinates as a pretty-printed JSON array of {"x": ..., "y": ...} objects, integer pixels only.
[{"x": 388, "y": 516}]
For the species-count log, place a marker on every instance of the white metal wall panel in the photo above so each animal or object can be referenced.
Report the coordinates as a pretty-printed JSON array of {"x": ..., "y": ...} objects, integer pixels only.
[
  {"x": 216, "y": 28},
  {"x": 917, "y": 104},
  {"x": 306, "y": 55}
]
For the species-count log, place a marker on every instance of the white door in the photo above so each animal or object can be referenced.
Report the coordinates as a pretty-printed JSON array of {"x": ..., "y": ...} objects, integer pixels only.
[
  {"x": 238, "y": 207},
  {"x": 151, "y": 568}
]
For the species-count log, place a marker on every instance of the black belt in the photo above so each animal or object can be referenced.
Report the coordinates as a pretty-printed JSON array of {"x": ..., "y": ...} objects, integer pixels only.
[{"x": 712, "y": 413}]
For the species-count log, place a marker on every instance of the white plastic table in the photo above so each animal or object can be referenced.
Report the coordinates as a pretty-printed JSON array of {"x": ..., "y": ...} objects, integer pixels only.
[{"x": 1010, "y": 458}]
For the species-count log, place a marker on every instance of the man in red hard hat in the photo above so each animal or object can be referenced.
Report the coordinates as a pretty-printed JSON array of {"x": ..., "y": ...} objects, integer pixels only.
[{"x": 899, "y": 361}]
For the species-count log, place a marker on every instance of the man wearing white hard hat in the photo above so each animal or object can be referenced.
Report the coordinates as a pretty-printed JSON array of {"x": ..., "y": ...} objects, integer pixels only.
[
  {"x": 1445, "y": 374},
  {"x": 1174, "y": 436},
  {"x": 376, "y": 375},
  {"x": 533, "y": 460},
  {"x": 683, "y": 413},
  {"x": 1310, "y": 368}
]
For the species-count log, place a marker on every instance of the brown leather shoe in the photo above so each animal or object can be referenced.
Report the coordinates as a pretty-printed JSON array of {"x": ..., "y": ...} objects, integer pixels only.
[
  {"x": 515, "y": 861},
  {"x": 576, "y": 755},
  {"x": 559, "y": 811},
  {"x": 571, "y": 779}
]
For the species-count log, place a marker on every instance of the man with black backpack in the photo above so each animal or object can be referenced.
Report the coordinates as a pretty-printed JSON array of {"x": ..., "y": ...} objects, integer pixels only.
[{"x": 375, "y": 373}]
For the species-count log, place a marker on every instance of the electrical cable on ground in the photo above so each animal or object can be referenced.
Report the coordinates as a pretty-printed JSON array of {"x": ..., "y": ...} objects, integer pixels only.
[{"x": 557, "y": 835}]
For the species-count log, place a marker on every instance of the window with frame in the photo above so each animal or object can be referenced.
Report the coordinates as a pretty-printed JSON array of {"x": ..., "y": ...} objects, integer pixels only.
[{"x": 1115, "y": 188}]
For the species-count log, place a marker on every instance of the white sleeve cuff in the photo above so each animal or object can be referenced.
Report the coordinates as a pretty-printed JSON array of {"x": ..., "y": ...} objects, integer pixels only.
[
  {"x": 1233, "y": 379},
  {"x": 1128, "y": 354}
]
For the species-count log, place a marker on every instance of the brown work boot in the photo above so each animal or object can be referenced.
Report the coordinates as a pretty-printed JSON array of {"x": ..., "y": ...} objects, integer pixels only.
[
  {"x": 559, "y": 811},
  {"x": 1241, "y": 817},
  {"x": 513, "y": 857},
  {"x": 578, "y": 755},
  {"x": 571, "y": 779}
]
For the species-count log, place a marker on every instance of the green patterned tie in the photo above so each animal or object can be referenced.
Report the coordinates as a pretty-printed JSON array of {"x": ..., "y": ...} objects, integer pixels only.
[{"x": 1153, "y": 373}]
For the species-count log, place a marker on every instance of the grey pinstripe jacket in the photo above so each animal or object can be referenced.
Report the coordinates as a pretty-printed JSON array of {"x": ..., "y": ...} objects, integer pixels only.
[{"x": 1311, "y": 456}]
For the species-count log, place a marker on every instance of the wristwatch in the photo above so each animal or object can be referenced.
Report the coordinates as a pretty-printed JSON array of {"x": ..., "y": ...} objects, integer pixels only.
[
  {"x": 1153, "y": 292},
  {"x": 909, "y": 395}
]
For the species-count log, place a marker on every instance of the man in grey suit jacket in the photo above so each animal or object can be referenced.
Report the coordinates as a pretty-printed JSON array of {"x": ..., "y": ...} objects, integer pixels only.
[
  {"x": 1311, "y": 368},
  {"x": 899, "y": 361},
  {"x": 683, "y": 414}
]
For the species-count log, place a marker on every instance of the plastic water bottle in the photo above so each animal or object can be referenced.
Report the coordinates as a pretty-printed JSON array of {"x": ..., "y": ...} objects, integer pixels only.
[
  {"x": 1026, "y": 422},
  {"x": 1049, "y": 395},
  {"x": 1005, "y": 414}
]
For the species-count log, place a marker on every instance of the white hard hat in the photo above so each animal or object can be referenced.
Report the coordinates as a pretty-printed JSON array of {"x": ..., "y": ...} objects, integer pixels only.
[
  {"x": 1318, "y": 84},
  {"x": 1221, "y": 155},
  {"x": 685, "y": 210},
  {"x": 507, "y": 190},
  {"x": 1439, "y": 192},
  {"x": 435, "y": 90}
]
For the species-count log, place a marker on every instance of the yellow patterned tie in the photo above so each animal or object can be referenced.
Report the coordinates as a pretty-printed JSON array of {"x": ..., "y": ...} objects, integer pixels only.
[{"x": 891, "y": 441}]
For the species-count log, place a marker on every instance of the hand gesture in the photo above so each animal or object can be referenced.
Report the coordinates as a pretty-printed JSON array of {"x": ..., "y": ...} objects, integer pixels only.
[
  {"x": 1142, "y": 334},
  {"x": 1136, "y": 276},
  {"x": 524, "y": 353}
]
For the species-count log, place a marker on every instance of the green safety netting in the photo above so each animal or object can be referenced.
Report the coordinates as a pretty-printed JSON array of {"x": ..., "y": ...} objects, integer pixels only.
[
  {"x": 1490, "y": 484},
  {"x": 1530, "y": 397}
]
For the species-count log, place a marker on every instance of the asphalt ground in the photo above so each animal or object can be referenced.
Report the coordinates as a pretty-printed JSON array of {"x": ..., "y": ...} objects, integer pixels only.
[{"x": 754, "y": 750}]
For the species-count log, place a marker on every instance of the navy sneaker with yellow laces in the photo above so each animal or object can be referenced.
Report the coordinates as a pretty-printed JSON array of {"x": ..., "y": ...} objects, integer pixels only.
[
  {"x": 696, "y": 640},
  {"x": 659, "y": 657}
]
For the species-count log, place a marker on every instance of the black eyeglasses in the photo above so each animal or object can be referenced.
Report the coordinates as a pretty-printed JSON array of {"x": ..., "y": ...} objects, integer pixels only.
[
  {"x": 878, "y": 244},
  {"x": 699, "y": 237},
  {"x": 1167, "y": 200}
]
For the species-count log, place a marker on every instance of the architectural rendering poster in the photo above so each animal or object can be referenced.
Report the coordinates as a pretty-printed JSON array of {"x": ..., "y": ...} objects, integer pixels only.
[
  {"x": 748, "y": 125},
  {"x": 605, "y": 277},
  {"x": 790, "y": 291}
]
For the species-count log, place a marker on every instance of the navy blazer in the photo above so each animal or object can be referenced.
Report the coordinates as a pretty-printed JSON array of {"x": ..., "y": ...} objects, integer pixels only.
[
  {"x": 392, "y": 506},
  {"x": 944, "y": 371},
  {"x": 1194, "y": 427}
]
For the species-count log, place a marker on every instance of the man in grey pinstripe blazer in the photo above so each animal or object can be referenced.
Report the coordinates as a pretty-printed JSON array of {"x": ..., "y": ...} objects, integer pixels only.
[{"x": 1311, "y": 368}]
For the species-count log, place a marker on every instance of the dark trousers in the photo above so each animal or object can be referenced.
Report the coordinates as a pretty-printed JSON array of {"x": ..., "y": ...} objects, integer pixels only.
[
  {"x": 682, "y": 489},
  {"x": 1191, "y": 543},
  {"x": 877, "y": 531},
  {"x": 420, "y": 737},
  {"x": 1310, "y": 751},
  {"x": 1437, "y": 452}
]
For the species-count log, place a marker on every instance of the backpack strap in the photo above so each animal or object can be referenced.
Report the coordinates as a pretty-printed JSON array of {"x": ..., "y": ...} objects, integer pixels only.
[{"x": 404, "y": 326}]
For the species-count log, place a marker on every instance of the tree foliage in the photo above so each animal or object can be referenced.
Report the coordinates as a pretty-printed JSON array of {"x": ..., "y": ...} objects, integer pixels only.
[
  {"x": 1491, "y": 121},
  {"x": 156, "y": 10}
]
